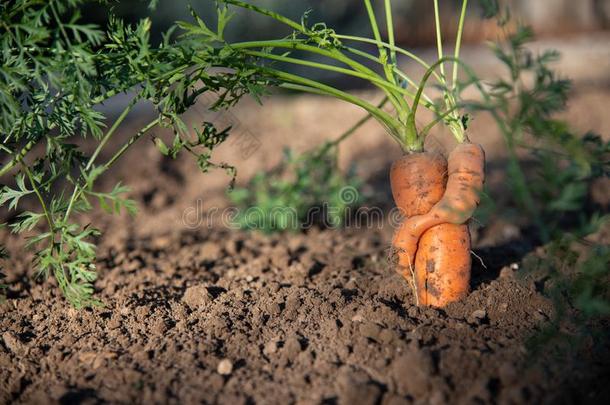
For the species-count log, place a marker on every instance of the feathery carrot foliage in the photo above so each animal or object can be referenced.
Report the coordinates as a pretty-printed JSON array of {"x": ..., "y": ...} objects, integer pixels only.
[{"x": 55, "y": 73}]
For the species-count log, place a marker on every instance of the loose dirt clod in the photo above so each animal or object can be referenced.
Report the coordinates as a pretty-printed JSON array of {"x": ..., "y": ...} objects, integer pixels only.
[
  {"x": 225, "y": 367},
  {"x": 196, "y": 296},
  {"x": 479, "y": 314},
  {"x": 12, "y": 342},
  {"x": 270, "y": 348}
]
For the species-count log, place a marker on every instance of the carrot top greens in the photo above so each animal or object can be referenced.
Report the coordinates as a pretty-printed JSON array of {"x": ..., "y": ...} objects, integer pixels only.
[
  {"x": 405, "y": 94},
  {"x": 55, "y": 73}
]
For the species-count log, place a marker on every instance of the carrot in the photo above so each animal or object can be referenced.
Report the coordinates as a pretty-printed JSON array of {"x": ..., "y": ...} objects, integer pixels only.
[
  {"x": 418, "y": 182},
  {"x": 462, "y": 195},
  {"x": 427, "y": 189},
  {"x": 440, "y": 267}
]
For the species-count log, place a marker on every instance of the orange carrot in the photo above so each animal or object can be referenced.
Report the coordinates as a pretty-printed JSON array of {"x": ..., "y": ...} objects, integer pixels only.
[
  {"x": 462, "y": 195},
  {"x": 433, "y": 245},
  {"x": 442, "y": 265},
  {"x": 418, "y": 182}
]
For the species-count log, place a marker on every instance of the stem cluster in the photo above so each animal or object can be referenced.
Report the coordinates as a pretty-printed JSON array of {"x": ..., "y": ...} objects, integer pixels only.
[{"x": 343, "y": 59}]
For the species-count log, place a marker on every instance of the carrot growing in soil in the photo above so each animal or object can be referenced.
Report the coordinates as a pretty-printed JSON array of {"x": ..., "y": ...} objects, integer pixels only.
[
  {"x": 437, "y": 197},
  {"x": 433, "y": 245},
  {"x": 436, "y": 242}
]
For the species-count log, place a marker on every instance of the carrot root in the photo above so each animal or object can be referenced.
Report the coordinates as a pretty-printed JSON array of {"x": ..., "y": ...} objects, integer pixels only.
[
  {"x": 433, "y": 244},
  {"x": 442, "y": 265}
]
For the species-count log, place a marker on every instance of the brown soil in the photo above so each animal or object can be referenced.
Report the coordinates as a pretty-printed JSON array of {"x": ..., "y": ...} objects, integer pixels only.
[{"x": 316, "y": 318}]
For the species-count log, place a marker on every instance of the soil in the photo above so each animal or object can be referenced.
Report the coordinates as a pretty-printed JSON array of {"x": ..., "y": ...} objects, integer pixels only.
[
  {"x": 215, "y": 315},
  {"x": 230, "y": 317}
]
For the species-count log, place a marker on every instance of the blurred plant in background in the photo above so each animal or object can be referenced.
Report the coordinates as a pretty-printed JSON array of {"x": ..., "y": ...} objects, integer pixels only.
[
  {"x": 301, "y": 190},
  {"x": 550, "y": 171},
  {"x": 563, "y": 164},
  {"x": 286, "y": 197}
]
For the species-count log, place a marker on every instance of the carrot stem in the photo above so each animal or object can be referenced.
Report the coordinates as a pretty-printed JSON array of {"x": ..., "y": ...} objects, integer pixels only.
[
  {"x": 291, "y": 23},
  {"x": 439, "y": 38},
  {"x": 321, "y": 88},
  {"x": 332, "y": 54},
  {"x": 395, "y": 70},
  {"x": 383, "y": 55},
  {"x": 458, "y": 41},
  {"x": 382, "y": 84},
  {"x": 395, "y": 48},
  {"x": 390, "y": 27}
]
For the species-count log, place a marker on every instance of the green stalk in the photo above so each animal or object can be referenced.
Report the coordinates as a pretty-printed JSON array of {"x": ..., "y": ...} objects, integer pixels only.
[
  {"x": 424, "y": 132},
  {"x": 300, "y": 45},
  {"x": 338, "y": 56},
  {"x": 458, "y": 41},
  {"x": 97, "y": 151},
  {"x": 411, "y": 128},
  {"x": 455, "y": 124},
  {"x": 291, "y": 23},
  {"x": 383, "y": 55},
  {"x": 298, "y": 27},
  {"x": 390, "y": 27},
  {"x": 60, "y": 25},
  {"x": 424, "y": 80},
  {"x": 439, "y": 39},
  {"x": 399, "y": 103},
  {"x": 78, "y": 191},
  {"x": 110, "y": 132},
  {"x": 331, "y": 91},
  {"x": 17, "y": 159},
  {"x": 47, "y": 214},
  {"x": 382, "y": 84},
  {"x": 298, "y": 83},
  {"x": 131, "y": 141},
  {"x": 373, "y": 20},
  {"x": 395, "y": 48},
  {"x": 395, "y": 70},
  {"x": 429, "y": 103}
]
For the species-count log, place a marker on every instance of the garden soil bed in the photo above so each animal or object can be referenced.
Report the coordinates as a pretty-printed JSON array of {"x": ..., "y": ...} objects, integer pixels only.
[
  {"x": 214, "y": 315},
  {"x": 233, "y": 318}
]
